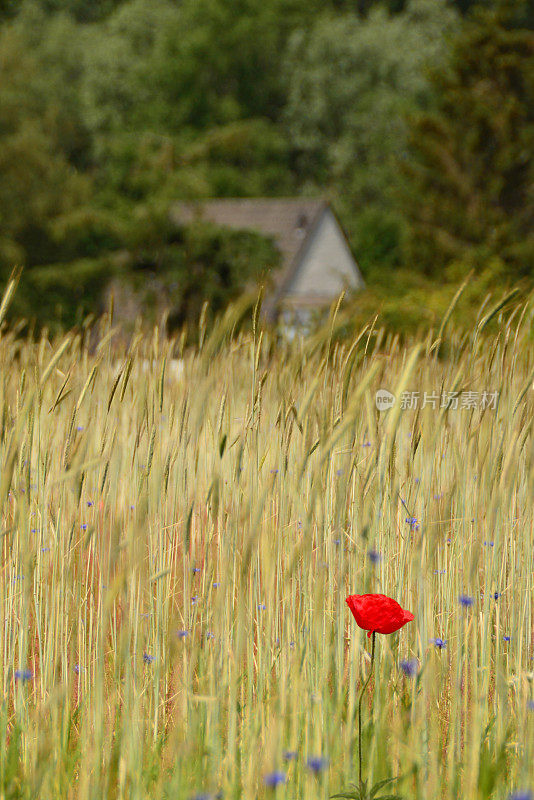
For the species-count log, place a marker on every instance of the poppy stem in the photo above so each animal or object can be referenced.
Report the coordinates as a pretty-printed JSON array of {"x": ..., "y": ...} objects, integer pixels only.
[{"x": 364, "y": 687}]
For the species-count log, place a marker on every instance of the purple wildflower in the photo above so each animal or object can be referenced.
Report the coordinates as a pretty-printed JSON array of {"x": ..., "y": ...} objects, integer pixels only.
[
  {"x": 374, "y": 556},
  {"x": 23, "y": 675},
  {"x": 465, "y": 600},
  {"x": 409, "y": 667},
  {"x": 317, "y": 763},
  {"x": 273, "y": 779}
]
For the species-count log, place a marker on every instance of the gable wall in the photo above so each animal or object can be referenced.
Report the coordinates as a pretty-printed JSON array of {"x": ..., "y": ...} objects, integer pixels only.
[{"x": 327, "y": 266}]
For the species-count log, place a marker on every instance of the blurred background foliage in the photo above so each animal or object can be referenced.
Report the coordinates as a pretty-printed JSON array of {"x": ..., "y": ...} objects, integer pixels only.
[{"x": 413, "y": 117}]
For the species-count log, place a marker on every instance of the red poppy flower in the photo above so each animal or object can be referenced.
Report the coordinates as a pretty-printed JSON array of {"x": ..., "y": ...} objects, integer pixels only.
[{"x": 378, "y": 613}]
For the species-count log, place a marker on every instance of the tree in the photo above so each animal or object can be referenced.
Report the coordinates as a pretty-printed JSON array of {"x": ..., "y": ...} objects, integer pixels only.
[
  {"x": 47, "y": 221},
  {"x": 351, "y": 83},
  {"x": 82, "y": 10},
  {"x": 36, "y": 182},
  {"x": 471, "y": 168}
]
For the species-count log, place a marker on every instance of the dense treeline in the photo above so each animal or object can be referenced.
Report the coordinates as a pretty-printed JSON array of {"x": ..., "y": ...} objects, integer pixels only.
[{"x": 415, "y": 118}]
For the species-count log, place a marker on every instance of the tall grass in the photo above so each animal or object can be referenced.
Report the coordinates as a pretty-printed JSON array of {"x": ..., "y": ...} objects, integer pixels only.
[{"x": 177, "y": 549}]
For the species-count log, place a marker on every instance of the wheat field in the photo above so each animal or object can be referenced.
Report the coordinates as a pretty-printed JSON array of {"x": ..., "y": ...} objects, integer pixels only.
[{"x": 177, "y": 546}]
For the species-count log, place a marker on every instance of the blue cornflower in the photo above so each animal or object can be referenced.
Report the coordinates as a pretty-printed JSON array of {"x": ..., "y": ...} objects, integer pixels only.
[
  {"x": 413, "y": 523},
  {"x": 374, "y": 556},
  {"x": 491, "y": 544},
  {"x": 90, "y": 503},
  {"x": 45, "y": 549},
  {"x": 148, "y": 659},
  {"x": 409, "y": 667},
  {"x": 337, "y": 541},
  {"x": 530, "y": 705},
  {"x": 521, "y": 796},
  {"x": 290, "y": 755},
  {"x": 196, "y": 569},
  {"x": 465, "y": 600},
  {"x": 507, "y": 638},
  {"x": 273, "y": 779},
  {"x": 210, "y": 635},
  {"x": 182, "y": 634},
  {"x": 440, "y": 643},
  {"x": 216, "y": 585},
  {"x": 83, "y": 526},
  {"x": 317, "y": 763},
  {"x": 367, "y": 444},
  {"x": 262, "y": 606},
  {"x": 339, "y": 472},
  {"x": 194, "y": 599},
  {"x": 23, "y": 675},
  {"x": 274, "y": 472},
  {"x": 496, "y": 595},
  {"x": 33, "y": 530},
  {"x": 77, "y": 669},
  {"x": 79, "y": 427}
]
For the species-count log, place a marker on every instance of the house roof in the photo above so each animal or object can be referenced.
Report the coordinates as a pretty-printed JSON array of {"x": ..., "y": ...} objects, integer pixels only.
[{"x": 288, "y": 221}]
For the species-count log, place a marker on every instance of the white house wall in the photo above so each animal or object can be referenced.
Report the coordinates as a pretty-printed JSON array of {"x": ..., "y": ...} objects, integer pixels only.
[{"x": 327, "y": 266}]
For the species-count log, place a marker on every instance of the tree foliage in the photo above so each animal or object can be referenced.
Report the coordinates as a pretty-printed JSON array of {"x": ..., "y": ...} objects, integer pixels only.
[
  {"x": 471, "y": 171},
  {"x": 352, "y": 84},
  {"x": 414, "y": 117}
]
